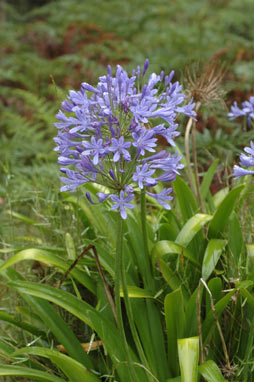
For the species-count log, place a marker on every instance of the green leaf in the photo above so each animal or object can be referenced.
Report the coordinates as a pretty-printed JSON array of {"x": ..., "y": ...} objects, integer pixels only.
[
  {"x": 53, "y": 321},
  {"x": 205, "y": 185},
  {"x": 222, "y": 214},
  {"x": 210, "y": 371},
  {"x": 169, "y": 229},
  {"x": 136, "y": 292},
  {"x": 220, "y": 196},
  {"x": 31, "y": 317},
  {"x": 184, "y": 196},
  {"x": 246, "y": 294},
  {"x": 188, "y": 350},
  {"x": 74, "y": 370},
  {"x": 133, "y": 235},
  {"x": 165, "y": 247},
  {"x": 20, "y": 324},
  {"x": 191, "y": 327},
  {"x": 191, "y": 228},
  {"x": 171, "y": 278},
  {"x": 175, "y": 324},
  {"x": 143, "y": 326},
  {"x": 26, "y": 372},
  {"x": 157, "y": 339},
  {"x": 214, "y": 249},
  {"x": 52, "y": 259},
  {"x": 105, "y": 328}
]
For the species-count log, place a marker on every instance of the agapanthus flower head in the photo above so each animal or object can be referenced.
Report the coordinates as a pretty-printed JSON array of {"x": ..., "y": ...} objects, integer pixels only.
[
  {"x": 247, "y": 110},
  {"x": 108, "y": 134},
  {"x": 245, "y": 161}
]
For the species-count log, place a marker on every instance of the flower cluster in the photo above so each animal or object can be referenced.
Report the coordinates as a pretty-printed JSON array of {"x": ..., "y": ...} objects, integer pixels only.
[
  {"x": 246, "y": 161},
  {"x": 106, "y": 135},
  {"x": 247, "y": 110}
]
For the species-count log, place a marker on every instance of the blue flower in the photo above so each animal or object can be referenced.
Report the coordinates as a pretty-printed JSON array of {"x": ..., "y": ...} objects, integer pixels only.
[
  {"x": 95, "y": 148},
  {"x": 118, "y": 146},
  {"x": 122, "y": 202},
  {"x": 144, "y": 175},
  {"x": 245, "y": 161},
  {"x": 239, "y": 172},
  {"x": 162, "y": 197},
  {"x": 247, "y": 110},
  {"x": 144, "y": 141},
  {"x": 109, "y": 135}
]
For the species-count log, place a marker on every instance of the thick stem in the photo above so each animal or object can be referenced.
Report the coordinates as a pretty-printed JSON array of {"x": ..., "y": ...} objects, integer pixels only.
[{"x": 118, "y": 272}]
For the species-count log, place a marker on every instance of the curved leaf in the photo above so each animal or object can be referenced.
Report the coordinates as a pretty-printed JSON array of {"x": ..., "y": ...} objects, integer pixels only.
[
  {"x": 222, "y": 214},
  {"x": 191, "y": 228},
  {"x": 175, "y": 324},
  {"x": 105, "y": 328},
  {"x": 74, "y": 370},
  {"x": 204, "y": 187},
  {"x": 172, "y": 279},
  {"x": 53, "y": 321},
  {"x": 220, "y": 196},
  {"x": 26, "y": 372},
  {"x": 210, "y": 371},
  {"x": 136, "y": 292},
  {"x": 164, "y": 247},
  {"x": 52, "y": 259},
  {"x": 184, "y": 196},
  {"x": 20, "y": 324},
  {"x": 214, "y": 249}
]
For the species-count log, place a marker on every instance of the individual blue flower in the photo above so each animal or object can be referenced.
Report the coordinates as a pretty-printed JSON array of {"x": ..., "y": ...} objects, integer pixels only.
[
  {"x": 95, "y": 149},
  {"x": 239, "y": 172},
  {"x": 73, "y": 180},
  {"x": 143, "y": 175},
  {"x": 169, "y": 133},
  {"x": 119, "y": 147},
  {"x": 122, "y": 202},
  {"x": 144, "y": 141},
  {"x": 162, "y": 197},
  {"x": 169, "y": 165}
]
